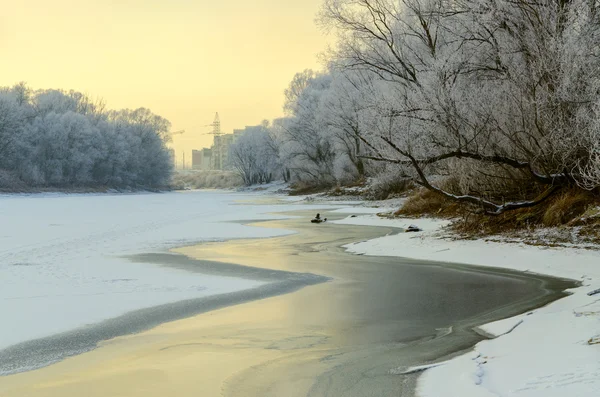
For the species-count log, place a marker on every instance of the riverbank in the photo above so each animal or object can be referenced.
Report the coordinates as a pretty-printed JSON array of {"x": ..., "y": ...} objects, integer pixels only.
[
  {"x": 341, "y": 337},
  {"x": 551, "y": 351}
]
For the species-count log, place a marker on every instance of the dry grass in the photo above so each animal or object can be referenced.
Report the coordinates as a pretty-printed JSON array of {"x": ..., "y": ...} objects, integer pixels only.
[
  {"x": 206, "y": 179},
  {"x": 588, "y": 224},
  {"x": 302, "y": 188},
  {"x": 423, "y": 202},
  {"x": 590, "y": 217},
  {"x": 566, "y": 209},
  {"x": 384, "y": 188},
  {"x": 573, "y": 213},
  {"x": 357, "y": 183}
]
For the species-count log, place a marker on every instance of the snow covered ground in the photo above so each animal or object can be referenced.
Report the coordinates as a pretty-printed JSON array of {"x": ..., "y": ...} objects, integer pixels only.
[
  {"x": 62, "y": 259},
  {"x": 553, "y": 351},
  {"x": 62, "y": 266}
]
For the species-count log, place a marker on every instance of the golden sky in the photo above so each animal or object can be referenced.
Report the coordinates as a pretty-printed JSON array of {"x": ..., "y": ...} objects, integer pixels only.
[{"x": 183, "y": 59}]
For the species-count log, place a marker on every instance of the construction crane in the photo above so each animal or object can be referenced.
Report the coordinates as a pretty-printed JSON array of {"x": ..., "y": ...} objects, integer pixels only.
[
  {"x": 173, "y": 133},
  {"x": 179, "y": 132}
]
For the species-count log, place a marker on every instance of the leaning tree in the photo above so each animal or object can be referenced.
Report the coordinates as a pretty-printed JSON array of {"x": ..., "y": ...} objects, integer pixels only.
[{"x": 479, "y": 90}]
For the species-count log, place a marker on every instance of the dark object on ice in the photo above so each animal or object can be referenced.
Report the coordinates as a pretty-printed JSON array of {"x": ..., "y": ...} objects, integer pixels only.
[
  {"x": 594, "y": 292},
  {"x": 352, "y": 216},
  {"x": 413, "y": 228},
  {"x": 317, "y": 219}
]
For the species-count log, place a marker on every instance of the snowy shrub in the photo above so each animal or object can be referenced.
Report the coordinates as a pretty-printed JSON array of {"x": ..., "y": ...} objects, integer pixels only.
[
  {"x": 206, "y": 179},
  {"x": 387, "y": 182},
  {"x": 255, "y": 157},
  {"x": 344, "y": 170}
]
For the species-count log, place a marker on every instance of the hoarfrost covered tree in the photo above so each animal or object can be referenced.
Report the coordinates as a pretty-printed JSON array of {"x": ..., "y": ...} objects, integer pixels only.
[
  {"x": 484, "y": 91},
  {"x": 319, "y": 140},
  {"x": 61, "y": 149},
  {"x": 146, "y": 134},
  {"x": 59, "y": 101},
  {"x": 341, "y": 112},
  {"x": 305, "y": 147},
  {"x": 11, "y": 127},
  {"x": 591, "y": 171},
  {"x": 60, "y": 138},
  {"x": 255, "y": 156}
]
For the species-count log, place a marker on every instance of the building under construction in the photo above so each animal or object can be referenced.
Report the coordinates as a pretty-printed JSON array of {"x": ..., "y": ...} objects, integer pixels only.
[{"x": 201, "y": 159}]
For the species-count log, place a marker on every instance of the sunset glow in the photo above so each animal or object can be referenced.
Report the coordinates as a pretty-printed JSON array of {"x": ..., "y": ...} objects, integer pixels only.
[{"x": 183, "y": 59}]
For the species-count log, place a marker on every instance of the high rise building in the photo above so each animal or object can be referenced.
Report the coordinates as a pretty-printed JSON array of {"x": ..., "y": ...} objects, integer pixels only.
[{"x": 202, "y": 159}]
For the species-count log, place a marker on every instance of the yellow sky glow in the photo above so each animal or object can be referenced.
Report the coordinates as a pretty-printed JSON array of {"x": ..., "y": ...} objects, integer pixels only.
[{"x": 183, "y": 59}]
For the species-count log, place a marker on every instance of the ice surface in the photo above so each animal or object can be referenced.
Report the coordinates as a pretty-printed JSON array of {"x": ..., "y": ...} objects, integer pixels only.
[{"x": 62, "y": 259}]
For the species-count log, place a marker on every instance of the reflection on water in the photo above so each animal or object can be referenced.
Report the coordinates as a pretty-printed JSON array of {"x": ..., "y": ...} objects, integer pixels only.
[{"x": 338, "y": 338}]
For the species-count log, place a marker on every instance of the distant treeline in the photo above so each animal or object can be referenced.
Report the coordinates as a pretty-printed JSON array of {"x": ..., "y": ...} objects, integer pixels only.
[{"x": 56, "y": 138}]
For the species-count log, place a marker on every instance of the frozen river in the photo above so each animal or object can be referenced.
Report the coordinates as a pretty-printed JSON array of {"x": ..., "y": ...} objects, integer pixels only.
[
  {"x": 82, "y": 270},
  {"x": 62, "y": 257}
]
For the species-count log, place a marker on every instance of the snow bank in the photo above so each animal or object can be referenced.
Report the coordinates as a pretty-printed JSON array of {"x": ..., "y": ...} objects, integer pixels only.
[
  {"x": 62, "y": 259},
  {"x": 553, "y": 351},
  {"x": 358, "y": 210}
]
